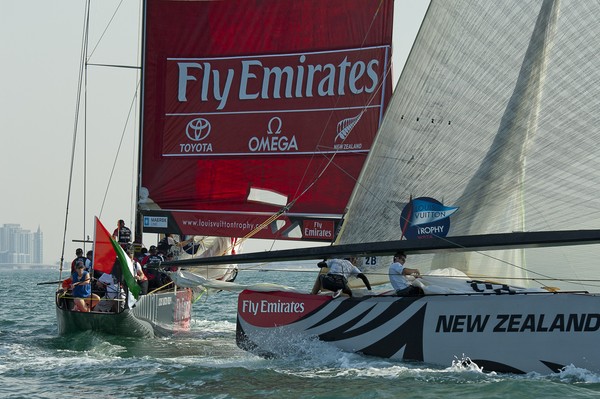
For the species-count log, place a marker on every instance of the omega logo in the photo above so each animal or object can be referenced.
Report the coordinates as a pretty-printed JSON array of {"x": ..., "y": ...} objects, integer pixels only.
[{"x": 274, "y": 122}]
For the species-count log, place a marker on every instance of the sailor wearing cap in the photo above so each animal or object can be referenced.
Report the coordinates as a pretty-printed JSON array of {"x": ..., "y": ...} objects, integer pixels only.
[
  {"x": 78, "y": 257},
  {"x": 150, "y": 266},
  {"x": 153, "y": 258},
  {"x": 82, "y": 289},
  {"x": 397, "y": 274}
]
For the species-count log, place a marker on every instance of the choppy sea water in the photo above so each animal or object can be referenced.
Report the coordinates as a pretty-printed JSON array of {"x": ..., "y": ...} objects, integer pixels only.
[{"x": 35, "y": 362}]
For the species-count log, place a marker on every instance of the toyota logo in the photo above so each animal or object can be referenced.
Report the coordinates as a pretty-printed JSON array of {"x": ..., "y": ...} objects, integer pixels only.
[{"x": 197, "y": 129}]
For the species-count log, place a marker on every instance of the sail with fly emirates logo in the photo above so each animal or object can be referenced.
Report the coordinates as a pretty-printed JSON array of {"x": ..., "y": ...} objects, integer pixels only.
[{"x": 272, "y": 102}]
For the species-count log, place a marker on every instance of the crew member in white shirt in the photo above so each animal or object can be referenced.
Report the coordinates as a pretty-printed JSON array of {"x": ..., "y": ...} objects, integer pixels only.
[
  {"x": 397, "y": 275},
  {"x": 337, "y": 278}
]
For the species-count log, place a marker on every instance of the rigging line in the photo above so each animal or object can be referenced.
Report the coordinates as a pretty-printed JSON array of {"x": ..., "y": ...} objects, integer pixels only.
[
  {"x": 385, "y": 75},
  {"x": 114, "y": 66},
  {"x": 105, "y": 29},
  {"x": 488, "y": 278},
  {"x": 85, "y": 115},
  {"x": 292, "y": 202},
  {"x": 259, "y": 227},
  {"x": 364, "y": 109},
  {"x": 313, "y": 155},
  {"x": 132, "y": 197},
  {"x": 542, "y": 216},
  {"x": 340, "y": 168},
  {"x": 479, "y": 278},
  {"x": 284, "y": 209},
  {"x": 315, "y": 179},
  {"x": 511, "y": 264},
  {"x": 329, "y": 160},
  {"x": 449, "y": 240},
  {"x": 261, "y": 264},
  {"x": 272, "y": 217},
  {"x": 357, "y": 181},
  {"x": 75, "y": 124},
  {"x": 372, "y": 22},
  {"x": 131, "y": 107},
  {"x": 404, "y": 223},
  {"x": 298, "y": 196}
]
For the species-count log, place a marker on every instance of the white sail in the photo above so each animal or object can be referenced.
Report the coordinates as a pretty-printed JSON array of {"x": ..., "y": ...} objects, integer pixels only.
[
  {"x": 495, "y": 113},
  {"x": 206, "y": 246}
]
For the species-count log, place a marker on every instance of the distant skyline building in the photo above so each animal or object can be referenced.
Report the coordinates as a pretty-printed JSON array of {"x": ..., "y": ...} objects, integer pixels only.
[
  {"x": 38, "y": 246},
  {"x": 20, "y": 246}
]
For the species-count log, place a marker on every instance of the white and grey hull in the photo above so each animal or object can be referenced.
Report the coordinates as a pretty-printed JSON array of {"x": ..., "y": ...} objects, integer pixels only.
[
  {"x": 159, "y": 314},
  {"x": 517, "y": 333}
]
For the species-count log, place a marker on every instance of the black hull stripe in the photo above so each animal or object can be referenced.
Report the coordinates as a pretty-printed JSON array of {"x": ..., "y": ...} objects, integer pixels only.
[{"x": 408, "y": 335}]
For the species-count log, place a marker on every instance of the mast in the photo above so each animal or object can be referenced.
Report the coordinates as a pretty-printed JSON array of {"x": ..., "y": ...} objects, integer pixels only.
[{"x": 139, "y": 233}]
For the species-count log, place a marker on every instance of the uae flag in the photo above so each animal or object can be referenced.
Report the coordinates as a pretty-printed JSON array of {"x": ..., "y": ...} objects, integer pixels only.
[{"x": 108, "y": 253}]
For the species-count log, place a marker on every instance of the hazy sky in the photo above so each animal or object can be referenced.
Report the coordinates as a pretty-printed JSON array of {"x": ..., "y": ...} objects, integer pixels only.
[{"x": 40, "y": 48}]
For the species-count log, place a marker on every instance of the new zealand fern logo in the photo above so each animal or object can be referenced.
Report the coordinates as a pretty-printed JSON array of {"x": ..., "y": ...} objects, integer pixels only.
[{"x": 425, "y": 217}]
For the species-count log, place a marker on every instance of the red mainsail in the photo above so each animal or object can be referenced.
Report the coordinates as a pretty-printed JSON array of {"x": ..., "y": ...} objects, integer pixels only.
[{"x": 252, "y": 105}]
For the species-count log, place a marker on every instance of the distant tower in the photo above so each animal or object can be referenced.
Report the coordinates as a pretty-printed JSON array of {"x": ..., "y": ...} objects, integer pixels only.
[
  {"x": 38, "y": 246},
  {"x": 24, "y": 250},
  {"x": 8, "y": 237},
  {"x": 9, "y": 243}
]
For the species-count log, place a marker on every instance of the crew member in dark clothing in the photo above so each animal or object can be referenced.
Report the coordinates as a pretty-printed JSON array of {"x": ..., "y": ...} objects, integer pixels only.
[
  {"x": 122, "y": 234},
  {"x": 79, "y": 257},
  {"x": 152, "y": 269}
]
